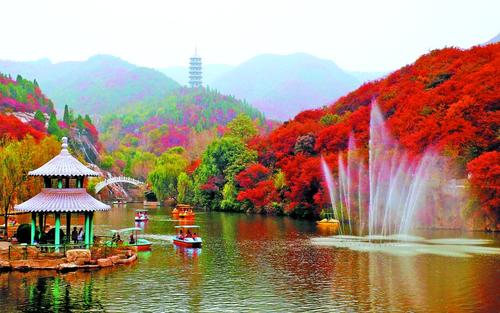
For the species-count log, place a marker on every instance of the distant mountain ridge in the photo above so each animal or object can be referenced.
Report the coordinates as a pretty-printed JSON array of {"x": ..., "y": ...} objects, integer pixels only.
[
  {"x": 283, "y": 85},
  {"x": 493, "y": 40},
  {"x": 99, "y": 84}
]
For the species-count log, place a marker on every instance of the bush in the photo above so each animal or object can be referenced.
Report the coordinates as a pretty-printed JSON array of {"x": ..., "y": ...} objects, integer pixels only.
[{"x": 23, "y": 234}]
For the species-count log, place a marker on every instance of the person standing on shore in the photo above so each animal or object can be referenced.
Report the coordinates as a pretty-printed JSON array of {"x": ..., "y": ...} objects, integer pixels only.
[
  {"x": 74, "y": 235},
  {"x": 80, "y": 235}
]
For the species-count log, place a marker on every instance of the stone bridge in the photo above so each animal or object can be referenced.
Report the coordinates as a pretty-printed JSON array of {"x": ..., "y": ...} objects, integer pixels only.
[{"x": 114, "y": 180}]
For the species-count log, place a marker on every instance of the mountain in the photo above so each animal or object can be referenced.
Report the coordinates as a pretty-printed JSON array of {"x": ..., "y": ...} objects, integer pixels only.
[
  {"x": 210, "y": 73},
  {"x": 446, "y": 102},
  {"x": 493, "y": 40},
  {"x": 283, "y": 85},
  {"x": 25, "y": 110},
  {"x": 187, "y": 117},
  {"x": 100, "y": 84}
]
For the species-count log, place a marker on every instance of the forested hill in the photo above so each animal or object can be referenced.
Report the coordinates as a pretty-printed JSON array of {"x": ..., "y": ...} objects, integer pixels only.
[
  {"x": 24, "y": 110},
  {"x": 187, "y": 117},
  {"x": 448, "y": 100},
  {"x": 98, "y": 85}
]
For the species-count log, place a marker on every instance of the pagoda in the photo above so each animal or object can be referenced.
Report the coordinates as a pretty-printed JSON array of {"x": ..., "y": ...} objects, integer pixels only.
[
  {"x": 195, "y": 79},
  {"x": 63, "y": 193}
]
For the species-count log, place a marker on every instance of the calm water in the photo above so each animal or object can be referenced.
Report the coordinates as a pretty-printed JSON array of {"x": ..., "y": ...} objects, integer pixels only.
[{"x": 259, "y": 264}]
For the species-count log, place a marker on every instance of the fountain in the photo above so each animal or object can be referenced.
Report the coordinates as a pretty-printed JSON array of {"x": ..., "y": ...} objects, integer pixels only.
[
  {"x": 397, "y": 186},
  {"x": 391, "y": 195}
]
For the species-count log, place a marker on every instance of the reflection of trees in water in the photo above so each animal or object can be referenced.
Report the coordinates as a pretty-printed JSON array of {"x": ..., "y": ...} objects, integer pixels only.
[{"x": 58, "y": 293}]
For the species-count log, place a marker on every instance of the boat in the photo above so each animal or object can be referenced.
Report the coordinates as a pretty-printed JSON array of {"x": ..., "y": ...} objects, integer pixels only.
[
  {"x": 151, "y": 204},
  {"x": 186, "y": 236},
  {"x": 184, "y": 211},
  {"x": 141, "y": 215},
  {"x": 328, "y": 220},
  {"x": 129, "y": 238}
]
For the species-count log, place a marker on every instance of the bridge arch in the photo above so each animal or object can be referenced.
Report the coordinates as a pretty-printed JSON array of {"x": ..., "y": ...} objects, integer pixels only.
[{"x": 119, "y": 179}]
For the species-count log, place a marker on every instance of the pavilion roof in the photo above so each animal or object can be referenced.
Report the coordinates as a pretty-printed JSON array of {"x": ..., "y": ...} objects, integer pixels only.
[
  {"x": 63, "y": 164},
  {"x": 62, "y": 200}
]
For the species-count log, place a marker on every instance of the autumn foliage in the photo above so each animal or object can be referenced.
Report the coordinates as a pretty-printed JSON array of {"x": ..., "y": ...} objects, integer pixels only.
[
  {"x": 12, "y": 127},
  {"x": 448, "y": 100}
]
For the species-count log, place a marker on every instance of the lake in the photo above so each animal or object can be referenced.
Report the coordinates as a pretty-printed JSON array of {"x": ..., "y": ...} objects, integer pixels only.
[{"x": 261, "y": 264}]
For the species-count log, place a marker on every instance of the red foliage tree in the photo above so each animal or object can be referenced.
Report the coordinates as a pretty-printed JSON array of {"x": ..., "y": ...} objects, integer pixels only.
[
  {"x": 447, "y": 100},
  {"x": 485, "y": 179},
  {"x": 11, "y": 126}
]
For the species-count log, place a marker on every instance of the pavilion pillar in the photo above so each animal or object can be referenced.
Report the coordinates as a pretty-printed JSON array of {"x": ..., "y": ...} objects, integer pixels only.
[
  {"x": 87, "y": 222},
  {"x": 68, "y": 227},
  {"x": 57, "y": 240},
  {"x": 41, "y": 225},
  {"x": 91, "y": 228},
  {"x": 33, "y": 227}
]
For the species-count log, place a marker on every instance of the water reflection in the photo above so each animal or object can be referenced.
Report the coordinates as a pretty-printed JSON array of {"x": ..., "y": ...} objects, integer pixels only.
[{"x": 258, "y": 263}]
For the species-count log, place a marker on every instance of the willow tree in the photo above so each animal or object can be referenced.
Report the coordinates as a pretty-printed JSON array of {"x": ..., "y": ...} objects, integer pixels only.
[
  {"x": 183, "y": 187},
  {"x": 163, "y": 177}
]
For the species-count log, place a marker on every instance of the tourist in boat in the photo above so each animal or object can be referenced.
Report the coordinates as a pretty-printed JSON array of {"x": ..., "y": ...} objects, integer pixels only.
[
  {"x": 80, "y": 235},
  {"x": 74, "y": 235},
  {"x": 181, "y": 235},
  {"x": 189, "y": 235},
  {"x": 195, "y": 236},
  {"x": 131, "y": 239}
]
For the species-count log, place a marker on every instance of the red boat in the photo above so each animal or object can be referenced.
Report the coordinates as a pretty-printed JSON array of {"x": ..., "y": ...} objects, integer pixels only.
[
  {"x": 186, "y": 236},
  {"x": 141, "y": 215},
  {"x": 183, "y": 211}
]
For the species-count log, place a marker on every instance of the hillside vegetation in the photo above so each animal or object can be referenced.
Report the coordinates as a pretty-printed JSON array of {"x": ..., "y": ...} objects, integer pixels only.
[{"x": 447, "y": 100}]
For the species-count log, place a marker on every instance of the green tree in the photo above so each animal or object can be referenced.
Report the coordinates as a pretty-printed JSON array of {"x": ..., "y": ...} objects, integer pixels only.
[
  {"x": 66, "y": 117},
  {"x": 183, "y": 187},
  {"x": 53, "y": 128},
  {"x": 163, "y": 177},
  {"x": 242, "y": 127},
  {"x": 107, "y": 162},
  {"x": 142, "y": 163},
  {"x": 221, "y": 161},
  {"x": 229, "y": 202},
  {"x": 40, "y": 116},
  {"x": 79, "y": 122}
]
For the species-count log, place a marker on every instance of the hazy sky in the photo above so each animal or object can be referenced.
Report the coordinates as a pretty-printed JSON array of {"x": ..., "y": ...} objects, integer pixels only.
[{"x": 357, "y": 35}]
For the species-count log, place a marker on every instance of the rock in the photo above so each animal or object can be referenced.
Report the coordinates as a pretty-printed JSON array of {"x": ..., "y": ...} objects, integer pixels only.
[
  {"x": 46, "y": 264},
  {"x": 104, "y": 262},
  {"x": 21, "y": 265},
  {"x": 88, "y": 268},
  {"x": 4, "y": 266},
  {"x": 80, "y": 254},
  {"x": 114, "y": 258},
  {"x": 32, "y": 251},
  {"x": 67, "y": 267}
]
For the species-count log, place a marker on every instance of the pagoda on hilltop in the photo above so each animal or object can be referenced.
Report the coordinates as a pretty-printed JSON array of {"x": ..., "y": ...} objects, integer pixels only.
[
  {"x": 63, "y": 193},
  {"x": 195, "y": 78}
]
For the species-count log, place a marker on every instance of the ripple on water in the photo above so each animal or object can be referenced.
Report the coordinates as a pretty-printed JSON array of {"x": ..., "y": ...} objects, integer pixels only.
[{"x": 450, "y": 247}]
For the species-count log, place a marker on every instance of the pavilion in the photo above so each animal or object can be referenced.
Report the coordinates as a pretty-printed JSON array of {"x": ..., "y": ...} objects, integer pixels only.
[{"x": 63, "y": 192}]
